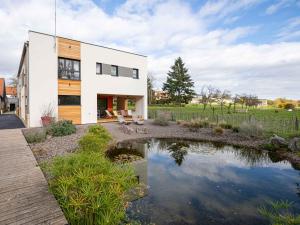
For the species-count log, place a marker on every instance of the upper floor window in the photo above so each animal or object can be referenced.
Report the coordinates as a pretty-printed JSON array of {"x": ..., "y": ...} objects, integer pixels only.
[
  {"x": 68, "y": 100},
  {"x": 98, "y": 68},
  {"x": 68, "y": 69},
  {"x": 135, "y": 73},
  {"x": 114, "y": 70}
]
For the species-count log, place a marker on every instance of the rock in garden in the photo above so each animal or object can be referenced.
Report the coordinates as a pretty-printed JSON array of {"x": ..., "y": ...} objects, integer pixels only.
[
  {"x": 278, "y": 142},
  {"x": 294, "y": 144}
]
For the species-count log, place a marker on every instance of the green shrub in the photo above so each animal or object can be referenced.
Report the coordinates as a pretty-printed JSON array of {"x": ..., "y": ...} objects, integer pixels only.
[
  {"x": 89, "y": 188},
  {"x": 162, "y": 119},
  {"x": 218, "y": 130},
  {"x": 96, "y": 140},
  {"x": 225, "y": 125},
  {"x": 195, "y": 125},
  {"x": 252, "y": 129},
  {"x": 35, "y": 137},
  {"x": 62, "y": 128},
  {"x": 100, "y": 132},
  {"x": 235, "y": 129}
]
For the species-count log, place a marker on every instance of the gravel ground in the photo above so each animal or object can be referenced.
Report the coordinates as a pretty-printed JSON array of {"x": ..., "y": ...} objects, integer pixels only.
[
  {"x": 176, "y": 131},
  {"x": 54, "y": 146}
]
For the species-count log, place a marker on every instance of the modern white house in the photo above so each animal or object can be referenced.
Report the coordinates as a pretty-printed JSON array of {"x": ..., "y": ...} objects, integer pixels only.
[{"x": 79, "y": 81}]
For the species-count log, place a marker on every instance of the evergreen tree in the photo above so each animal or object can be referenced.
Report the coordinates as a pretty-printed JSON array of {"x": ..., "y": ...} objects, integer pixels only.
[{"x": 179, "y": 84}]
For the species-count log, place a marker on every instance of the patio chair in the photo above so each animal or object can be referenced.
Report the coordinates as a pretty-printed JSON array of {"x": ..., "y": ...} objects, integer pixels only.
[
  {"x": 121, "y": 120},
  {"x": 129, "y": 112},
  {"x": 115, "y": 113},
  {"x": 108, "y": 114},
  {"x": 123, "y": 113},
  {"x": 137, "y": 120}
]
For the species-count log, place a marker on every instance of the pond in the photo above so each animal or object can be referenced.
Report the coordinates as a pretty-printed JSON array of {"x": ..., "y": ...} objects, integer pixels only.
[{"x": 204, "y": 183}]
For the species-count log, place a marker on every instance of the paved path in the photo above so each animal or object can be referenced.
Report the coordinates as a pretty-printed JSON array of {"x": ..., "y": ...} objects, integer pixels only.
[
  {"x": 10, "y": 121},
  {"x": 24, "y": 195}
]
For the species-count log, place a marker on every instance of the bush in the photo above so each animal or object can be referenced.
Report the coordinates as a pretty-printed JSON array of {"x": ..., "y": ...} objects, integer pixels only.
[
  {"x": 235, "y": 129},
  {"x": 35, "y": 137},
  {"x": 218, "y": 130},
  {"x": 195, "y": 125},
  {"x": 100, "y": 132},
  {"x": 162, "y": 119},
  {"x": 62, "y": 128},
  {"x": 89, "y": 188},
  {"x": 252, "y": 128},
  {"x": 225, "y": 125},
  {"x": 289, "y": 106},
  {"x": 96, "y": 140}
]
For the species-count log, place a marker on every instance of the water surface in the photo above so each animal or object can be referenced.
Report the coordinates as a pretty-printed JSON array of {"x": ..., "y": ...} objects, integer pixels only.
[{"x": 204, "y": 183}]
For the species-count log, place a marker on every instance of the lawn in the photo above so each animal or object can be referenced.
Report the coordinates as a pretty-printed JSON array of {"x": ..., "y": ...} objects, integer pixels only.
[{"x": 278, "y": 121}]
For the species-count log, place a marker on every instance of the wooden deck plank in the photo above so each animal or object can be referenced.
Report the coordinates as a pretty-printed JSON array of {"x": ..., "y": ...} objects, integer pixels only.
[{"x": 24, "y": 194}]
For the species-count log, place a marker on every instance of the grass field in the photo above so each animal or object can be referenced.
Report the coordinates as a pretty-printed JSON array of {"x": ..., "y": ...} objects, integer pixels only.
[{"x": 278, "y": 121}]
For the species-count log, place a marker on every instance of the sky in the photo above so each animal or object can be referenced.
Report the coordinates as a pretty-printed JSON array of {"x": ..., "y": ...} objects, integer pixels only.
[{"x": 244, "y": 46}]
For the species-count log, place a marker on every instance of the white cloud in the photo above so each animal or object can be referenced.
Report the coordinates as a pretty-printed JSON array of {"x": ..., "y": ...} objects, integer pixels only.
[
  {"x": 291, "y": 31},
  {"x": 163, "y": 30},
  {"x": 279, "y": 5}
]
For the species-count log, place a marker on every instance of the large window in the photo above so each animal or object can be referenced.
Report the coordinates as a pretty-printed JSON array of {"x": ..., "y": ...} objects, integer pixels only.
[
  {"x": 114, "y": 70},
  {"x": 68, "y": 100},
  {"x": 98, "y": 68},
  {"x": 68, "y": 69},
  {"x": 135, "y": 73}
]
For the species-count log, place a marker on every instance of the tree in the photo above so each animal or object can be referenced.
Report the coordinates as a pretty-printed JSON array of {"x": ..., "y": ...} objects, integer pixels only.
[
  {"x": 236, "y": 99},
  {"x": 222, "y": 97},
  {"x": 207, "y": 93},
  {"x": 179, "y": 84},
  {"x": 13, "y": 81},
  {"x": 150, "y": 80}
]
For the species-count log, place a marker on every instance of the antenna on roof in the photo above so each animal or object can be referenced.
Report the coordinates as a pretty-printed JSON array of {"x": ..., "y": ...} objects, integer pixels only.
[{"x": 55, "y": 25}]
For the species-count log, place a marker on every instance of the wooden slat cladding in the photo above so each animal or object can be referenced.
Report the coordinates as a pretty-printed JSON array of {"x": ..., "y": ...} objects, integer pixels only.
[
  {"x": 68, "y": 48},
  {"x": 70, "y": 113},
  {"x": 69, "y": 87}
]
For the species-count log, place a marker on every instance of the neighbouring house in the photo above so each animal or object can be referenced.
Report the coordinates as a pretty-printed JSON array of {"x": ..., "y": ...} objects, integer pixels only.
[
  {"x": 79, "y": 81},
  {"x": 196, "y": 100},
  {"x": 3, "y": 98},
  {"x": 12, "y": 100},
  {"x": 160, "y": 95},
  {"x": 262, "y": 102}
]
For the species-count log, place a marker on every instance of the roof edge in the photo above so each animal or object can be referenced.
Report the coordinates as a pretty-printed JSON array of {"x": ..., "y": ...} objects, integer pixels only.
[{"x": 37, "y": 32}]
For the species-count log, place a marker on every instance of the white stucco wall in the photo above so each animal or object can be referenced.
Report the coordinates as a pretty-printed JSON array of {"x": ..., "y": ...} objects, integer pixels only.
[
  {"x": 42, "y": 76},
  {"x": 91, "y": 83}
]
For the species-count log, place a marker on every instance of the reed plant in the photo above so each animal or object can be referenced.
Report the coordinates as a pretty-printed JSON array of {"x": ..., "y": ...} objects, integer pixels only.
[{"x": 89, "y": 187}]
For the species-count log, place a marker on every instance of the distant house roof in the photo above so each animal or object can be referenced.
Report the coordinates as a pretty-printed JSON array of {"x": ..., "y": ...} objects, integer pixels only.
[
  {"x": 11, "y": 91},
  {"x": 2, "y": 87}
]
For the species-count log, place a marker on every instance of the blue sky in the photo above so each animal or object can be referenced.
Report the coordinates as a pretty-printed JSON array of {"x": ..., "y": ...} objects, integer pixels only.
[{"x": 245, "y": 46}]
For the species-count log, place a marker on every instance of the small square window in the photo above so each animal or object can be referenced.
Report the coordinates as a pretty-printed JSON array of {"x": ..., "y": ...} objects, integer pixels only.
[
  {"x": 98, "y": 68},
  {"x": 114, "y": 70},
  {"x": 135, "y": 73}
]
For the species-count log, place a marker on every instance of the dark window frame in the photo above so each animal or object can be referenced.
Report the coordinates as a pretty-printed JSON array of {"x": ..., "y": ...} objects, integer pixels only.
[
  {"x": 60, "y": 76},
  {"x": 68, "y": 104},
  {"x": 137, "y": 73},
  {"x": 97, "y": 63},
  {"x": 117, "y": 70}
]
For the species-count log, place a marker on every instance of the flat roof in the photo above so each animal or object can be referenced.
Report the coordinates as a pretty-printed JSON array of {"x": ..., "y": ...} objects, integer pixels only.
[{"x": 87, "y": 43}]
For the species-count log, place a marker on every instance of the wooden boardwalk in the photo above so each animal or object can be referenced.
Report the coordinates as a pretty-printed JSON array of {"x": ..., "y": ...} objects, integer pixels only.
[{"x": 24, "y": 194}]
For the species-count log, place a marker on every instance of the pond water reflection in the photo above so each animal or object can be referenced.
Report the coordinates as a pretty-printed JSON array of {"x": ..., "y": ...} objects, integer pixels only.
[{"x": 204, "y": 183}]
